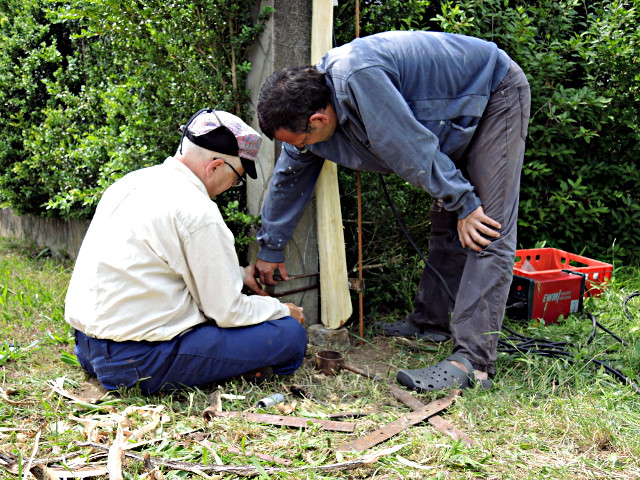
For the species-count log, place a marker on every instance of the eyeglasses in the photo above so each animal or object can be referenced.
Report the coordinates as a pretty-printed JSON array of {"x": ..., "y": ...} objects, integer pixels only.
[
  {"x": 306, "y": 132},
  {"x": 239, "y": 181}
]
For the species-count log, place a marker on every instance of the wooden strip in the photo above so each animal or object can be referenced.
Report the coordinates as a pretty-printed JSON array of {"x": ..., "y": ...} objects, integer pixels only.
[
  {"x": 437, "y": 421},
  {"x": 399, "y": 425},
  {"x": 405, "y": 397},
  {"x": 359, "y": 371},
  {"x": 448, "y": 429},
  {"x": 296, "y": 422},
  {"x": 335, "y": 299}
]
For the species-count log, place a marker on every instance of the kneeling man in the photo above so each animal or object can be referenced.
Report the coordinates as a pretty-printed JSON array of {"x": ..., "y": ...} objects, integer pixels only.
[{"x": 156, "y": 293}]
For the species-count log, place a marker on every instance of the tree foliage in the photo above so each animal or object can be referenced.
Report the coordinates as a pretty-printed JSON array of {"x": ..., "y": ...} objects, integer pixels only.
[{"x": 580, "y": 180}]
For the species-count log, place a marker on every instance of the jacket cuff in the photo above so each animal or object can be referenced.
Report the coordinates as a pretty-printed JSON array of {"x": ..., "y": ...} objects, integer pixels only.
[
  {"x": 471, "y": 202},
  {"x": 273, "y": 256}
]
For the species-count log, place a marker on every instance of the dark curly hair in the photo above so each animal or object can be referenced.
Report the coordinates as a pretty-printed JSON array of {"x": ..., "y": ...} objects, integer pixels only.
[{"x": 289, "y": 97}]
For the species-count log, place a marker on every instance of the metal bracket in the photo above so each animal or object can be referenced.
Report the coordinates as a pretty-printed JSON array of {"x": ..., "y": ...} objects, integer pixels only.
[
  {"x": 356, "y": 284},
  {"x": 275, "y": 292}
]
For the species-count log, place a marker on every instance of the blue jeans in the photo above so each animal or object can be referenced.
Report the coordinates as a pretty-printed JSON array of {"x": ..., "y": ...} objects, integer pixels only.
[
  {"x": 480, "y": 281},
  {"x": 202, "y": 355}
]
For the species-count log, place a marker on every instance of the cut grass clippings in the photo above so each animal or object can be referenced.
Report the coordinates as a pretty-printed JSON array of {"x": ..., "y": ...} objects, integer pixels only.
[{"x": 556, "y": 418}]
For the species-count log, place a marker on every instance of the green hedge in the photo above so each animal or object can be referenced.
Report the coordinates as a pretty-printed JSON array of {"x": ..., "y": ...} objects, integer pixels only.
[
  {"x": 580, "y": 182},
  {"x": 92, "y": 89}
]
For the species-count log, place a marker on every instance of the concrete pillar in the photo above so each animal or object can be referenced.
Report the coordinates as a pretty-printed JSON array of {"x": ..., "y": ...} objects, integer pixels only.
[{"x": 285, "y": 41}]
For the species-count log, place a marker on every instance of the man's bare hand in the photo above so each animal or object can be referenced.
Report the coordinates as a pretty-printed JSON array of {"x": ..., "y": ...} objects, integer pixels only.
[
  {"x": 265, "y": 272},
  {"x": 296, "y": 312},
  {"x": 475, "y": 227},
  {"x": 249, "y": 281}
]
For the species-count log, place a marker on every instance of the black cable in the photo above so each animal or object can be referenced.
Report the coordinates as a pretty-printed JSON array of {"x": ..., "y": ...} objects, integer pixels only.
[
  {"x": 594, "y": 327},
  {"x": 611, "y": 333},
  {"x": 624, "y": 305},
  {"x": 519, "y": 344},
  {"x": 408, "y": 237}
]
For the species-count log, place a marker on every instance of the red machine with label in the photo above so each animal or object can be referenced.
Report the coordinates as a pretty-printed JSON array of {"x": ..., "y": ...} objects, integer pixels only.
[{"x": 549, "y": 284}]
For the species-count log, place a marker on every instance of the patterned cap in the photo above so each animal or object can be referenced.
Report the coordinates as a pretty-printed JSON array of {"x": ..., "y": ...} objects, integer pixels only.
[{"x": 223, "y": 132}]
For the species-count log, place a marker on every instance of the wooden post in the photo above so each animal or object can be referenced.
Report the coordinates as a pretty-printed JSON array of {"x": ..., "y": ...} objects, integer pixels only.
[{"x": 335, "y": 301}]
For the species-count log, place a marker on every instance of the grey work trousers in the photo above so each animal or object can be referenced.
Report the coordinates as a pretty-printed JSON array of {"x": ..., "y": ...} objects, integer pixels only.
[{"x": 479, "y": 281}]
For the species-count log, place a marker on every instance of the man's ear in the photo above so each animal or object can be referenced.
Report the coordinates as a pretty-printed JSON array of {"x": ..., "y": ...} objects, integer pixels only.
[
  {"x": 323, "y": 116},
  {"x": 212, "y": 165},
  {"x": 319, "y": 116}
]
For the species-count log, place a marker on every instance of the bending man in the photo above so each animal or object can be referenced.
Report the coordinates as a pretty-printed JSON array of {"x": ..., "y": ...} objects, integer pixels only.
[{"x": 448, "y": 113}]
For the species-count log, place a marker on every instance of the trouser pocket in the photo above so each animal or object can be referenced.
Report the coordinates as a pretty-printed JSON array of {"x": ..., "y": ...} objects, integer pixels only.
[{"x": 524, "y": 95}]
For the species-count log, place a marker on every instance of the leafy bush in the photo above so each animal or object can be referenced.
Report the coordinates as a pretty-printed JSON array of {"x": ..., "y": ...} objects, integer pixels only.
[
  {"x": 580, "y": 181},
  {"x": 93, "y": 89}
]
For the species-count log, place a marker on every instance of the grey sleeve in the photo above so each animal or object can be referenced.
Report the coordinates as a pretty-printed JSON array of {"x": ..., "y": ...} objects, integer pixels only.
[{"x": 290, "y": 189}]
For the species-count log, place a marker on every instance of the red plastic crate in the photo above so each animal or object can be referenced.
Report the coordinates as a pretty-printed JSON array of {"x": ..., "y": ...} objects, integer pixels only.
[{"x": 535, "y": 262}]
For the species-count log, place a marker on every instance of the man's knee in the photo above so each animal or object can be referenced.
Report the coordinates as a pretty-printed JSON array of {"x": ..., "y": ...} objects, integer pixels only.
[{"x": 296, "y": 335}]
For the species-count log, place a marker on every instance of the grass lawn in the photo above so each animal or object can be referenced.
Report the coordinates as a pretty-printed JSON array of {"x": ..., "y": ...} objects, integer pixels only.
[{"x": 546, "y": 417}]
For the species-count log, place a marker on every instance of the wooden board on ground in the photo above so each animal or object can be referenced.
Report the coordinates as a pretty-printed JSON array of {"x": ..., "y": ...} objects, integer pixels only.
[
  {"x": 397, "y": 426},
  {"x": 282, "y": 420},
  {"x": 436, "y": 420}
]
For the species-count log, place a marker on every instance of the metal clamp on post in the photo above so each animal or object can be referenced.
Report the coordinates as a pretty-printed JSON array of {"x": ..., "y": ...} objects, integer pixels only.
[
  {"x": 356, "y": 284},
  {"x": 275, "y": 292}
]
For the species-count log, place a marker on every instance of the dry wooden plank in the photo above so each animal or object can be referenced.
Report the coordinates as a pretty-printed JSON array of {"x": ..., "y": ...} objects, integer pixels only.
[
  {"x": 436, "y": 420},
  {"x": 335, "y": 299},
  {"x": 448, "y": 429},
  {"x": 397, "y": 426},
  {"x": 282, "y": 420}
]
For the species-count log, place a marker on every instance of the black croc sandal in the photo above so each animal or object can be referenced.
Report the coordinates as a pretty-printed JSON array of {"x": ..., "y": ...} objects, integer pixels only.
[
  {"x": 404, "y": 328},
  {"x": 441, "y": 376}
]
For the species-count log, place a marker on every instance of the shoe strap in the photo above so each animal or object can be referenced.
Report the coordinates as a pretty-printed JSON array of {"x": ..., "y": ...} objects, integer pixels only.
[{"x": 464, "y": 361}]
